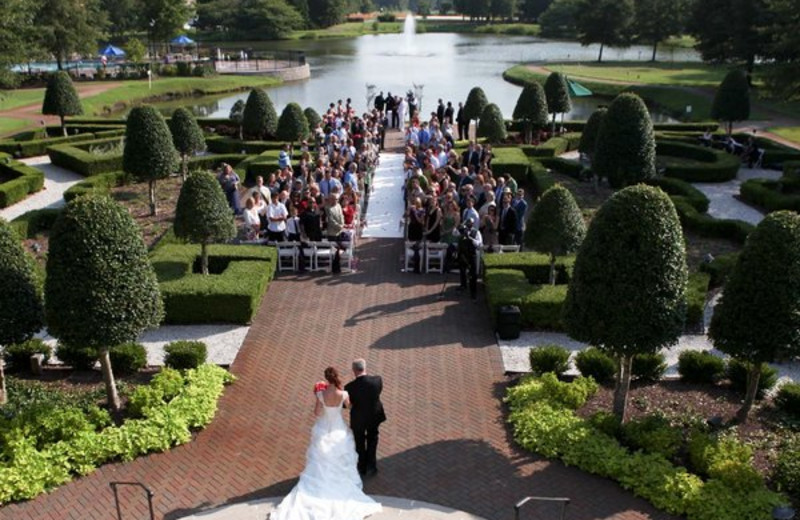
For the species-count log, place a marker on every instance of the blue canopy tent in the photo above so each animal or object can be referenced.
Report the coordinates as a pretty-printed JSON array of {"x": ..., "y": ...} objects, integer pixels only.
[
  {"x": 182, "y": 42},
  {"x": 578, "y": 90},
  {"x": 111, "y": 51}
]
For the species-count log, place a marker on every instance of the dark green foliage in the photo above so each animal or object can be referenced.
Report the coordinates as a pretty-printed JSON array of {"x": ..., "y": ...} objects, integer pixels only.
[
  {"x": 18, "y": 355},
  {"x": 732, "y": 100},
  {"x": 100, "y": 289},
  {"x": 628, "y": 289},
  {"x": 606, "y": 422},
  {"x": 679, "y": 188},
  {"x": 549, "y": 358},
  {"x": 700, "y": 367},
  {"x": 79, "y": 159},
  {"x": 78, "y": 357},
  {"x": 33, "y": 222},
  {"x": 292, "y": 125},
  {"x": 758, "y": 317},
  {"x": 591, "y": 131},
  {"x": 556, "y": 225},
  {"x": 312, "y": 118},
  {"x": 787, "y": 467},
  {"x": 770, "y": 195},
  {"x": 237, "y": 114},
  {"x": 534, "y": 266},
  {"x": 149, "y": 154},
  {"x": 696, "y": 292},
  {"x": 605, "y": 22},
  {"x": 652, "y": 434},
  {"x": 625, "y": 152},
  {"x": 23, "y": 180},
  {"x": 556, "y": 92},
  {"x": 708, "y": 164},
  {"x": 475, "y": 104},
  {"x": 736, "y": 373},
  {"x": 541, "y": 306},
  {"x": 186, "y": 135},
  {"x": 21, "y": 306},
  {"x": 720, "y": 268},
  {"x": 324, "y": 13},
  {"x": 531, "y": 108},
  {"x": 648, "y": 367},
  {"x": 34, "y": 147},
  {"x": 259, "y": 119},
  {"x": 708, "y": 226},
  {"x": 558, "y": 20},
  {"x": 202, "y": 214},
  {"x": 61, "y": 99},
  {"x": 128, "y": 358},
  {"x": 788, "y": 398},
  {"x": 182, "y": 355},
  {"x": 593, "y": 362},
  {"x": 492, "y": 126}
]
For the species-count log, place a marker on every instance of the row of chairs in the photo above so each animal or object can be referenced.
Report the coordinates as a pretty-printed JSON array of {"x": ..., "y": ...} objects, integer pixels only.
[
  {"x": 316, "y": 256},
  {"x": 433, "y": 255}
]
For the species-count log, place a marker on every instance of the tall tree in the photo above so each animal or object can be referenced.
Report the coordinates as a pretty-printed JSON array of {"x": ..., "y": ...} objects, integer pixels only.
[
  {"x": 123, "y": 16},
  {"x": 783, "y": 48},
  {"x": 758, "y": 317},
  {"x": 186, "y": 136},
  {"x": 163, "y": 19},
  {"x": 265, "y": 19},
  {"x": 625, "y": 152},
  {"x": 606, "y": 22},
  {"x": 18, "y": 40},
  {"x": 656, "y": 20},
  {"x": 149, "y": 154},
  {"x": 556, "y": 91},
  {"x": 202, "y": 214},
  {"x": 502, "y": 9},
  {"x": 627, "y": 294},
  {"x": 61, "y": 99},
  {"x": 324, "y": 13},
  {"x": 732, "y": 99},
  {"x": 531, "y": 109},
  {"x": 556, "y": 226},
  {"x": 101, "y": 290},
  {"x": 474, "y": 105},
  {"x": 530, "y": 10},
  {"x": 237, "y": 115},
  {"x": 259, "y": 119},
  {"x": 21, "y": 305},
  {"x": 590, "y": 132},
  {"x": 66, "y": 27},
  {"x": 560, "y": 19},
  {"x": 213, "y": 15}
]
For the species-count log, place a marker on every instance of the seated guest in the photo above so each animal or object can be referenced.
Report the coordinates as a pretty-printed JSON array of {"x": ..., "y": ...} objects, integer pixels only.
[
  {"x": 752, "y": 154},
  {"x": 252, "y": 224}
]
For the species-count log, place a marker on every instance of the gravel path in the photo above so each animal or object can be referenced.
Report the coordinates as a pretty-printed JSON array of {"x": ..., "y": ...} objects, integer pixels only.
[
  {"x": 56, "y": 181},
  {"x": 722, "y": 196}
]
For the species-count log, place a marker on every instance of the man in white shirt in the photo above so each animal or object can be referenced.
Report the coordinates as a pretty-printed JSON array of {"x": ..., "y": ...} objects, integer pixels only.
[{"x": 276, "y": 217}]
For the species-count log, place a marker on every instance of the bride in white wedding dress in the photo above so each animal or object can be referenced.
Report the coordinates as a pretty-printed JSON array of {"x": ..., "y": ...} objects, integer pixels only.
[{"x": 329, "y": 487}]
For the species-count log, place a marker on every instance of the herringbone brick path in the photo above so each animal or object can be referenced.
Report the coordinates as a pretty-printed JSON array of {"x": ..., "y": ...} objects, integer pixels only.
[{"x": 445, "y": 441}]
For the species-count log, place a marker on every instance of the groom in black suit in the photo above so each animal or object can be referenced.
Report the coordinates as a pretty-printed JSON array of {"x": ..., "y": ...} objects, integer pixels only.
[{"x": 366, "y": 415}]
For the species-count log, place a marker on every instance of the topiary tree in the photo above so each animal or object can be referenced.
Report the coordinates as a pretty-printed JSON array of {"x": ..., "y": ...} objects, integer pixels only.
[
  {"x": 758, "y": 317},
  {"x": 732, "y": 100},
  {"x": 237, "y": 115},
  {"x": 149, "y": 154},
  {"x": 259, "y": 119},
  {"x": 186, "y": 136},
  {"x": 292, "y": 125},
  {"x": 202, "y": 214},
  {"x": 475, "y": 104},
  {"x": 531, "y": 109},
  {"x": 590, "y": 132},
  {"x": 21, "y": 306},
  {"x": 556, "y": 92},
  {"x": 626, "y": 146},
  {"x": 312, "y": 117},
  {"x": 491, "y": 125},
  {"x": 556, "y": 226},
  {"x": 627, "y": 294},
  {"x": 61, "y": 99},
  {"x": 101, "y": 290}
]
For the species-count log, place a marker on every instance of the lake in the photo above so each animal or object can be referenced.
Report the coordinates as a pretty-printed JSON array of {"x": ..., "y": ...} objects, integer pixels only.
[{"x": 442, "y": 65}]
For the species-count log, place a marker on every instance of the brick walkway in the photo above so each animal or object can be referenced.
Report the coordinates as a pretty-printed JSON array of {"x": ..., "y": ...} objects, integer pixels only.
[{"x": 445, "y": 441}]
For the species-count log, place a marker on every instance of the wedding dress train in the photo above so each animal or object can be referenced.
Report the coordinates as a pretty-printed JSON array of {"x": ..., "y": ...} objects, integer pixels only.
[{"x": 329, "y": 487}]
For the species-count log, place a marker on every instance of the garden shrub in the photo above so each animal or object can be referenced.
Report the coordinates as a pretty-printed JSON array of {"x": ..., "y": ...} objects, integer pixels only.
[
  {"x": 18, "y": 355},
  {"x": 786, "y": 474},
  {"x": 23, "y": 180},
  {"x": 606, "y": 422},
  {"x": 491, "y": 124},
  {"x": 652, "y": 434},
  {"x": 230, "y": 145},
  {"x": 60, "y": 98},
  {"x": 553, "y": 147},
  {"x": 182, "y": 355},
  {"x": 33, "y": 222},
  {"x": 593, "y": 362},
  {"x": 567, "y": 167},
  {"x": 549, "y": 358},
  {"x": 292, "y": 124},
  {"x": 769, "y": 195},
  {"x": 510, "y": 161},
  {"x": 128, "y": 358},
  {"x": 79, "y": 358},
  {"x": 535, "y": 266},
  {"x": 101, "y": 184},
  {"x": 678, "y": 187},
  {"x": 539, "y": 180},
  {"x": 540, "y": 305},
  {"x": 705, "y": 225},
  {"x": 737, "y": 375},
  {"x": 720, "y": 268},
  {"x": 788, "y": 398},
  {"x": 700, "y": 367},
  {"x": 710, "y": 165},
  {"x": 648, "y": 367},
  {"x": 79, "y": 159},
  {"x": 696, "y": 292},
  {"x": 259, "y": 118}
]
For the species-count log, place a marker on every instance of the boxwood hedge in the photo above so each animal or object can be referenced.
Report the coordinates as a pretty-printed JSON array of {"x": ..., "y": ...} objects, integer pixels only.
[
  {"x": 223, "y": 144},
  {"x": 29, "y": 224},
  {"x": 79, "y": 159},
  {"x": 510, "y": 161},
  {"x": 706, "y": 225},
  {"x": 540, "y": 305},
  {"x": 22, "y": 181},
  {"x": 770, "y": 195},
  {"x": 534, "y": 266},
  {"x": 711, "y": 165},
  {"x": 232, "y": 296},
  {"x": 33, "y": 143}
]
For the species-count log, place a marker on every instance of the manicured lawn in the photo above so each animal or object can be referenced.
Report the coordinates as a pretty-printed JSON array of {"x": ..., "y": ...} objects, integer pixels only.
[
  {"x": 685, "y": 74},
  {"x": 19, "y": 98},
  {"x": 354, "y": 29},
  {"x": 792, "y": 133},
  {"x": 9, "y": 126}
]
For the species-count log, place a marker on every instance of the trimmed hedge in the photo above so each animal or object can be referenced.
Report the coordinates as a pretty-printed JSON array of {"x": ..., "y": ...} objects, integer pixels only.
[
  {"x": 718, "y": 166},
  {"x": 677, "y": 187},
  {"x": 705, "y": 225},
  {"x": 24, "y": 180},
  {"x": 79, "y": 159},
  {"x": 182, "y": 355},
  {"x": 534, "y": 266},
  {"x": 222, "y": 144},
  {"x": 700, "y": 367},
  {"x": 769, "y": 195},
  {"x": 540, "y": 305},
  {"x": 29, "y": 224},
  {"x": 233, "y": 296},
  {"x": 577, "y": 125},
  {"x": 720, "y": 268},
  {"x": 567, "y": 167},
  {"x": 696, "y": 292},
  {"x": 510, "y": 161},
  {"x": 34, "y": 147},
  {"x": 539, "y": 180}
]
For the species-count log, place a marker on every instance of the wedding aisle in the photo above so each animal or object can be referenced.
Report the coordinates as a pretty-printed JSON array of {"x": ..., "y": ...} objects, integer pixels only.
[{"x": 385, "y": 209}]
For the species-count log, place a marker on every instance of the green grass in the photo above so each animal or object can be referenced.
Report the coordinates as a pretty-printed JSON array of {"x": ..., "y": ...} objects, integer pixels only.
[
  {"x": 131, "y": 92},
  {"x": 10, "y": 99},
  {"x": 683, "y": 74},
  {"x": 791, "y": 133},
  {"x": 354, "y": 29},
  {"x": 9, "y": 126}
]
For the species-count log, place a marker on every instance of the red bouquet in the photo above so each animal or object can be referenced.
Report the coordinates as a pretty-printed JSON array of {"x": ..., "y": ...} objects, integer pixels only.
[{"x": 319, "y": 386}]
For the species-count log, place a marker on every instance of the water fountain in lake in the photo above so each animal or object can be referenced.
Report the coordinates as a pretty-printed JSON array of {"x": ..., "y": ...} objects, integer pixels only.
[{"x": 410, "y": 33}]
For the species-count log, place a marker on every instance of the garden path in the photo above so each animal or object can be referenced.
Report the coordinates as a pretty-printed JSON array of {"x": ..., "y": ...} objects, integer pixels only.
[{"x": 57, "y": 180}]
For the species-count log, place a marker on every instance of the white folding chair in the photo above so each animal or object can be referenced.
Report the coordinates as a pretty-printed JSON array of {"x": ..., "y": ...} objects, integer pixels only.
[
  {"x": 412, "y": 248},
  {"x": 346, "y": 257},
  {"x": 287, "y": 256},
  {"x": 507, "y": 249},
  {"x": 309, "y": 257},
  {"x": 435, "y": 255},
  {"x": 323, "y": 256}
]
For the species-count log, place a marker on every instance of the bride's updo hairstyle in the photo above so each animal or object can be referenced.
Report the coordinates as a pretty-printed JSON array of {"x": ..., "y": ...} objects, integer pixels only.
[{"x": 332, "y": 377}]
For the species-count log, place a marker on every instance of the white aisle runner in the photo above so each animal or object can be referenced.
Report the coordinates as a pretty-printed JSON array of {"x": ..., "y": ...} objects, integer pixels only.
[{"x": 386, "y": 208}]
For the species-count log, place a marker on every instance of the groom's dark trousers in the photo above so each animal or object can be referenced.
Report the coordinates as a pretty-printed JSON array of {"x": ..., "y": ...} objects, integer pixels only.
[{"x": 366, "y": 415}]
